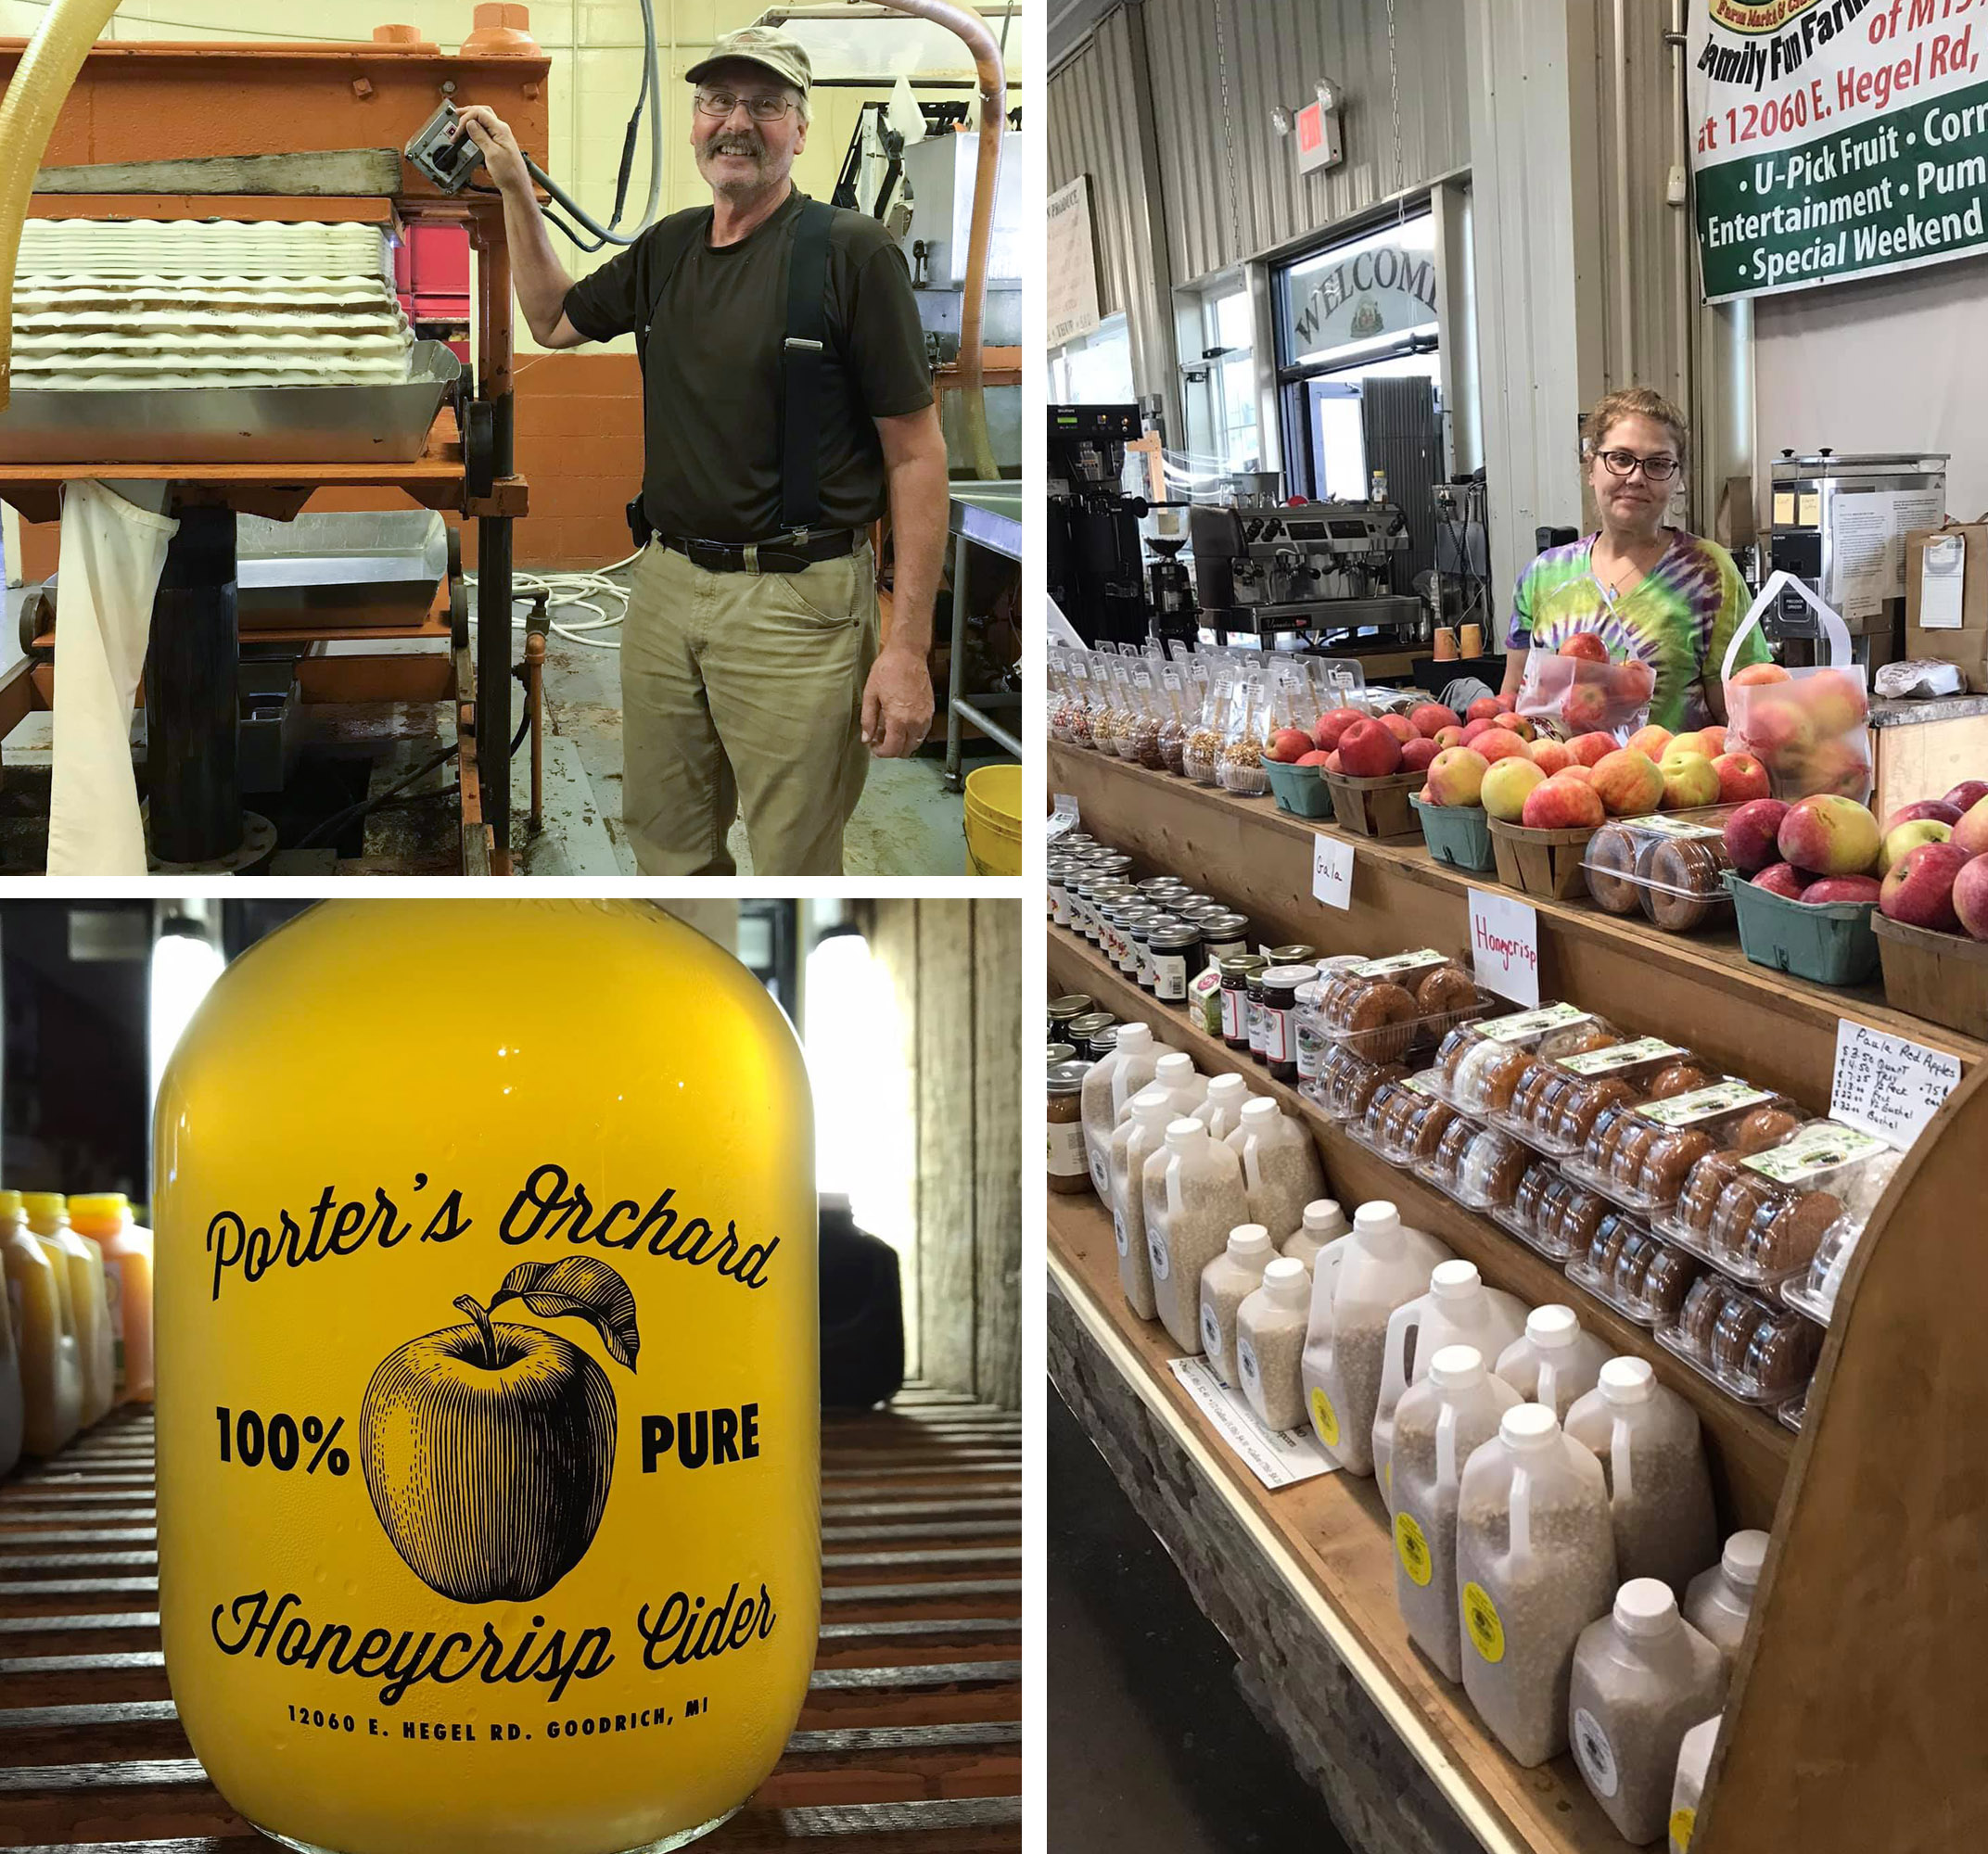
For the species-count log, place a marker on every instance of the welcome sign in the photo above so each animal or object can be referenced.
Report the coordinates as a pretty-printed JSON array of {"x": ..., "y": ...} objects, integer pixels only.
[{"x": 1836, "y": 138}]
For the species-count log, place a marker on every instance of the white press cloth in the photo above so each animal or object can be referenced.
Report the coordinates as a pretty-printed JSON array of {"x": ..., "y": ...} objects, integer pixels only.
[{"x": 112, "y": 555}]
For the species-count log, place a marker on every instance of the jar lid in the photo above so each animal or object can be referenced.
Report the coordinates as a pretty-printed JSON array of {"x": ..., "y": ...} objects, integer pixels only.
[
  {"x": 1174, "y": 933},
  {"x": 1100, "y": 1042},
  {"x": 1071, "y": 1004},
  {"x": 1241, "y": 965},
  {"x": 1289, "y": 977},
  {"x": 1296, "y": 955},
  {"x": 1162, "y": 884},
  {"x": 1068, "y": 1078},
  {"x": 1062, "y": 1052},
  {"x": 1091, "y": 1023},
  {"x": 1226, "y": 920}
]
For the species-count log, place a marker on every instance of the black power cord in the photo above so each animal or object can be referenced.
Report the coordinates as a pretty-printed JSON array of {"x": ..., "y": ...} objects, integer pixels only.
[{"x": 331, "y": 826}]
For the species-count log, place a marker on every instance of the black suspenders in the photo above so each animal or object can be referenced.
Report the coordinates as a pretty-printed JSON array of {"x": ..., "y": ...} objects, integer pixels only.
[{"x": 802, "y": 355}]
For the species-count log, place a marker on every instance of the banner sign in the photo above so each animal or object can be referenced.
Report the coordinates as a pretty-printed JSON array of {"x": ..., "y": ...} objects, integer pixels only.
[
  {"x": 1836, "y": 138},
  {"x": 1072, "y": 264}
]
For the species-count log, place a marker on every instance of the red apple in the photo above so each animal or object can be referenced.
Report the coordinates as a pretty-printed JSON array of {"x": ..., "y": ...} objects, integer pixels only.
[
  {"x": 1919, "y": 888},
  {"x": 1830, "y": 836},
  {"x": 1629, "y": 783},
  {"x": 1561, "y": 804},
  {"x": 1632, "y": 683},
  {"x": 1448, "y": 737},
  {"x": 1399, "y": 726},
  {"x": 1713, "y": 735},
  {"x": 1970, "y": 897},
  {"x": 1332, "y": 763},
  {"x": 1457, "y": 776},
  {"x": 1586, "y": 647},
  {"x": 1289, "y": 744},
  {"x": 1516, "y": 724},
  {"x": 1333, "y": 723},
  {"x": 1835, "y": 701},
  {"x": 1417, "y": 755},
  {"x": 1313, "y": 759},
  {"x": 1584, "y": 707},
  {"x": 1431, "y": 717},
  {"x": 1755, "y": 674},
  {"x": 1741, "y": 777},
  {"x": 1972, "y": 833},
  {"x": 1498, "y": 743},
  {"x": 1839, "y": 765},
  {"x": 1585, "y": 774},
  {"x": 1482, "y": 725},
  {"x": 1486, "y": 708},
  {"x": 1857, "y": 889},
  {"x": 1778, "y": 731},
  {"x": 1368, "y": 750},
  {"x": 1967, "y": 794},
  {"x": 1936, "y": 809},
  {"x": 1750, "y": 833},
  {"x": 1590, "y": 749},
  {"x": 1783, "y": 878},
  {"x": 1553, "y": 757},
  {"x": 1653, "y": 742}
]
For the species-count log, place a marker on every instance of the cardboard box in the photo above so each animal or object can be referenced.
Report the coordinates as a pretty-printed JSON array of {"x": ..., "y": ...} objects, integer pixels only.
[{"x": 1947, "y": 598}]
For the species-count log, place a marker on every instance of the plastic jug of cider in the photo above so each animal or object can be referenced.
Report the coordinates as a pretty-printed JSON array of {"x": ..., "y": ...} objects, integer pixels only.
[
  {"x": 13, "y": 1411},
  {"x": 48, "y": 1218},
  {"x": 45, "y": 1325},
  {"x": 105, "y": 1219},
  {"x": 489, "y": 1395}
]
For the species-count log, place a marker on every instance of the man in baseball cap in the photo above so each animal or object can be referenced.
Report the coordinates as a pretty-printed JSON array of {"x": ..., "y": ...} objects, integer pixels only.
[{"x": 782, "y": 417}]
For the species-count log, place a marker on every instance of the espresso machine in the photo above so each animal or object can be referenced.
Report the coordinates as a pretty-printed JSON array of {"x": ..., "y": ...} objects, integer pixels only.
[
  {"x": 1096, "y": 564},
  {"x": 1324, "y": 571},
  {"x": 1838, "y": 522}
]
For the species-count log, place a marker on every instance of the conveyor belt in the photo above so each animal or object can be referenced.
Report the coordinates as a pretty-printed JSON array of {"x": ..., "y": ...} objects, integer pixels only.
[{"x": 910, "y": 1742}]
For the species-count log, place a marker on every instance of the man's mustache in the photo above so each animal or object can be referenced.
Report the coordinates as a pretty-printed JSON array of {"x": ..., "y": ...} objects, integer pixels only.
[{"x": 734, "y": 144}]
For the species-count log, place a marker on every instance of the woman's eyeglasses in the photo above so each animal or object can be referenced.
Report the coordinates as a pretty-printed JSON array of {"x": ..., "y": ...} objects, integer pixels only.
[
  {"x": 721, "y": 103},
  {"x": 1658, "y": 469}
]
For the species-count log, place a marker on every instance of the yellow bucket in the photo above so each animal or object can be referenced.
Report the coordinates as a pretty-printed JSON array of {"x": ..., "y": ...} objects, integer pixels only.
[{"x": 994, "y": 820}]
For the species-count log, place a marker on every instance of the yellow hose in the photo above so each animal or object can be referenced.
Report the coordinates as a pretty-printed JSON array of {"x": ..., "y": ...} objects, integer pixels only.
[{"x": 28, "y": 114}]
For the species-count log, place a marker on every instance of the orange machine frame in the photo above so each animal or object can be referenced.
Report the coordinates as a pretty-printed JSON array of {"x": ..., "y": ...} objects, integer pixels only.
[{"x": 141, "y": 101}]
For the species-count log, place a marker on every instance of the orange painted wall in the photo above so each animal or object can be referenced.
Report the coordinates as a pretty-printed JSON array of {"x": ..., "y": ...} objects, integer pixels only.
[{"x": 578, "y": 423}]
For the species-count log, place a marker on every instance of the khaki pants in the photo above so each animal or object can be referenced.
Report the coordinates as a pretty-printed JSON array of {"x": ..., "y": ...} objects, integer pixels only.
[{"x": 741, "y": 692}]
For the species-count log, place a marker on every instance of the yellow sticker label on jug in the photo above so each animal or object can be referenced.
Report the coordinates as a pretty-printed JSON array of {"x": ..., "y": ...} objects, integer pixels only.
[
  {"x": 1481, "y": 1624},
  {"x": 1412, "y": 1549},
  {"x": 1325, "y": 1419},
  {"x": 1683, "y": 1820}
]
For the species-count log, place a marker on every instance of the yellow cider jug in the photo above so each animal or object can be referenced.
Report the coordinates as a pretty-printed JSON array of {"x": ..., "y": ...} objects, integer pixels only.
[
  {"x": 48, "y": 1218},
  {"x": 39, "y": 1307},
  {"x": 488, "y": 1392},
  {"x": 13, "y": 1409},
  {"x": 104, "y": 1220}
]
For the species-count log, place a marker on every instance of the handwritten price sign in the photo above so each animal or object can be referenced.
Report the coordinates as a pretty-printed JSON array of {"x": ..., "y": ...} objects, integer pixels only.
[
  {"x": 1889, "y": 1085},
  {"x": 1505, "y": 947}
]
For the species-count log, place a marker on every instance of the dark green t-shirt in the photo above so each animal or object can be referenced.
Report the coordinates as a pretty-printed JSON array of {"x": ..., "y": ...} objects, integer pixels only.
[{"x": 712, "y": 399}]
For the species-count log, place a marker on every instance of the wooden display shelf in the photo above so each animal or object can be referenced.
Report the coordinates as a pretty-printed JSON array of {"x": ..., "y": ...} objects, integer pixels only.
[
  {"x": 910, "y": 1736},
  {"x": 1331, "y": 1539},
  {"x": 1748, "y": 1449},
  {"x": 1698, "y": 989}
]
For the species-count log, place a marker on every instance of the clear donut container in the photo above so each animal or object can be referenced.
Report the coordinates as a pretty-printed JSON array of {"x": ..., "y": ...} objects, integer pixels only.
[
  {"x": 1635, "y": 1271},
  {"x": 1414, "y": 1131},
  {"x": 1388, "y": 992},
  {"x": 1478, "y": 1065},
  {"x": 1670, "y": 869},
  {"x": 1642, "y": 1156},
  {"x": 1392, "y": 1098},
  {"x": 1345, "y": 1084},
  {"x": 1550, "y": 1213},
  {"x": 1477, "y": 1165},
  {"x": 1554, "y": 1103},
  {"x": 1754, "y": 1351},
  {"x": 1794, "y": 1413}
]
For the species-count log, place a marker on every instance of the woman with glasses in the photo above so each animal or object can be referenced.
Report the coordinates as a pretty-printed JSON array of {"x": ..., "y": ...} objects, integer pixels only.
[{"x": 1647, "y": 591}]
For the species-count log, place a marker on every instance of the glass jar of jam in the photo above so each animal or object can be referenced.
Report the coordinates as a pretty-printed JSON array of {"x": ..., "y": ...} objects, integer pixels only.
[
  {"x": 1063, "y": 1010},
  {"x": 1252, "y": 1012},
  {"x": 1226, "y": 936},
  {"x": 1175, "y": 949},
  {"x": 1070, "y": 1166},
  {"x": 1237, "y": 970},
  {"x": 1294, "y": 954},
  {"x": 1092, "y": 1024},
  {"x": 1280, "y": 988}
]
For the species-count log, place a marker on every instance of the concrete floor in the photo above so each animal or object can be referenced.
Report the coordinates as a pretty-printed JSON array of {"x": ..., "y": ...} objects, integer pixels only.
[
  {"x": 906, "y": 823},
  {"x": 1152, "y": 1750}
]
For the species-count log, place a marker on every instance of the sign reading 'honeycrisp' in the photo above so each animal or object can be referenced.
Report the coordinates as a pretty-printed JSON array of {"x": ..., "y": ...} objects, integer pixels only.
[{"x": 1836, "y": 138}]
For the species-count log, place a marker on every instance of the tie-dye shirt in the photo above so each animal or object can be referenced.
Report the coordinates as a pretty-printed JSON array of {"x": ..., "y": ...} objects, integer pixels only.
[{"x": 1679, "y": 617}]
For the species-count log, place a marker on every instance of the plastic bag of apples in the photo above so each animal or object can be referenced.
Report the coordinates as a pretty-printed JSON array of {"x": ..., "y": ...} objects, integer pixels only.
[
  {"x": 1808, "y": 727},
  {"x": 1578, "y": 691}
]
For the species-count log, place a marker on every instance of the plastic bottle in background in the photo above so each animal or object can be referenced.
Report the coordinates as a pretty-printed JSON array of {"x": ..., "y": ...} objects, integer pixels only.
[
  {"x": 105, "y": 1219},
  {"x": 1660, "y": 1490},
  {"x": 1193, "y": 1195},
  {"x": 1187, "y": 1090},
  {"x": 1720, "y": 1600},
  {"x": 1688, "y": 1791},
  {"x": 1457, "y": 1310},
  {"x": 1323, "y": 1222},
  {"x": 1536, "y": 1565},
  {"x": 1281, "y": 1168},
  {"x": 1270, "y": 1344},
  {"x": 1225, "y": 1283},
  {"x": 1113, "y": 1079},
  {"x": 1439, "y": 1423},
  {"x": 1553, "y": 1362},
  {"x": 48, "y": 1218},
  {"x": 1357, "y": 1283},
  {"x": 1221, "y": 1108},
  {"x": 1642, "y": 1678},
  {"x": 1144, "y": 1134},
  {"x": 51, "y": 1363}
]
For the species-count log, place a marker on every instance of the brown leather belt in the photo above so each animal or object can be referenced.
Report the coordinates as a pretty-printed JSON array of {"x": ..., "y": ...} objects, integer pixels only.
[{"x": 784, "y": 555}]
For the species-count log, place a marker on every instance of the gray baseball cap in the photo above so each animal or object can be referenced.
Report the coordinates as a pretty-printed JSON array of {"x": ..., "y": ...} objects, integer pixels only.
[{"x": 765, "y": 47}]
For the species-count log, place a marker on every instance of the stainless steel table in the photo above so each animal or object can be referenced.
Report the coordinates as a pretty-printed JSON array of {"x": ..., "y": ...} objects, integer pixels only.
[{"x": 982, "y": 515}]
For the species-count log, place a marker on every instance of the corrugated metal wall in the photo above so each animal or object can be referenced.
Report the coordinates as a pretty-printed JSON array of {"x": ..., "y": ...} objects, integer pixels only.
[{"x": 1228, "y": 197}]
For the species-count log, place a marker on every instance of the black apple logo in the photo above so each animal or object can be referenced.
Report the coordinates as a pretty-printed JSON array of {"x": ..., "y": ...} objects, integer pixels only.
[{"x": 488, "y": 1448}]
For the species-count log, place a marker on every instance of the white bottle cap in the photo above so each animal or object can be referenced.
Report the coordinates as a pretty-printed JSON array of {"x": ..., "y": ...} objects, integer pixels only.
[
  {"x": 1743, "y": 1556},
  {"x": 1228, "y": 1087},
  {"x": 1287, "y": 1284},
  {"x": 1182, "y": 1134},
  {"x": 1259, "y": 1115},
  {"x": 1174, "y": 1069},
  {"x": 1152, "y": 1106},
  {"x": 1527, "y": 1425},
  {"x": 1324, "y": 1215},
  {"x": 1454, "y": 1281},
  {"x": 1134, "y": 1037},
  {"x": 1552, "y": 1327},
  {"x": 1379, "y": 1218},
  {"x": 1457, "y": 1367},
  {"x": 1645, "y": 1607},
  {"x": 1628, "y": 1380},
  {"x": 1250, "y": 1242}
]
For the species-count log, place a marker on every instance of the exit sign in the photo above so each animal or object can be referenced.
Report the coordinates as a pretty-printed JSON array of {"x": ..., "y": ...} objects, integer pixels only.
[{"x": 1318, "y": 138}]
